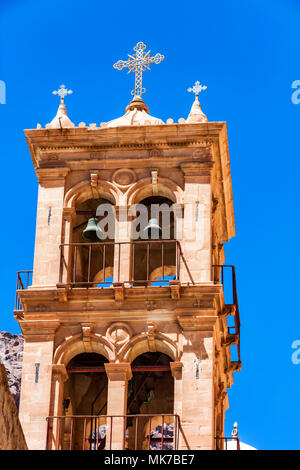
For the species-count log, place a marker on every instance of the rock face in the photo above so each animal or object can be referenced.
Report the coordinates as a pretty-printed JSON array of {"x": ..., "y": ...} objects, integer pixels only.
[
  {"x": 11, "y": 433},
  {"x": 11, "y": 356}
]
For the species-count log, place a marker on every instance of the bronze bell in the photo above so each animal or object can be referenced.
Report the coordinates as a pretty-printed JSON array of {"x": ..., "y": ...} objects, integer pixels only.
[
  {"x": 153, "y": 230},
  {"x": 92, "y": 233}
]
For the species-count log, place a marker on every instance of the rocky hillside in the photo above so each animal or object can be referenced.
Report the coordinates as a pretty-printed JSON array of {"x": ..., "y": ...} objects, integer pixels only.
[{"x": 11, "y": 355}]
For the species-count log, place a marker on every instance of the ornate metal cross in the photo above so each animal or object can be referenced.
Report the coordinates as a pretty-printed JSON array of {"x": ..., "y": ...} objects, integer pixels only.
[
  {"x": 62, "y": 92},
  {"x": 138, "y": 63},
  {"x": 197, "y": 88}
]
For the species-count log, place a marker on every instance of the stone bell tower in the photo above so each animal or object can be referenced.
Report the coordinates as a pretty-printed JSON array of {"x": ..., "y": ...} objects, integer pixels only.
[{"x": 128, "y": 336}]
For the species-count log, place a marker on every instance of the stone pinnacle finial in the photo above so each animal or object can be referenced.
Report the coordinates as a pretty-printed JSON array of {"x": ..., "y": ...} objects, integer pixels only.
[
  {"x": 235, "y": 431},
  {"x": 196, "y": 114},
  {"x": 61, "y": 119}
]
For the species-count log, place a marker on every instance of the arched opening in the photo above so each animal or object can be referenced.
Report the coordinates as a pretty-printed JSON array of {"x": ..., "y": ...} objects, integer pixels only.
[
  {"x": 154, "y": 255},
  {"x": 85, "y": 395},
  {"x": 150, "y": 392},
  {"x": 92, "y": 252}
]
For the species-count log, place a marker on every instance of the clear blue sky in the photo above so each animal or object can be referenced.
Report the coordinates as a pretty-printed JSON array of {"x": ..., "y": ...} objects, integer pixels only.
[{"x": 247, "y": 53}]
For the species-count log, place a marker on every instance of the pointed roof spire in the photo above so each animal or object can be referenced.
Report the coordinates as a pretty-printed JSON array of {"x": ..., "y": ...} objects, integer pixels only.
[
  {"x": 61, "y": 119},
  {"x": 196, "y": 114}
]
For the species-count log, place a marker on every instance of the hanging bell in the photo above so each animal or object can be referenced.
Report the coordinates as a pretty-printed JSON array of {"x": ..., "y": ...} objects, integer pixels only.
[
  {"x": 152, "y": 230},
  {"x": 92, "y": 233}
]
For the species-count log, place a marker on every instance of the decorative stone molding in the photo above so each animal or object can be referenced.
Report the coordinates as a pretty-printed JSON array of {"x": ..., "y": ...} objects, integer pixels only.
[
  {"x": 151, "y": 304},
  {"x": 62, "y": 293},
  {"x": 151, "y": 328},
  {"x": 229, "y": 309},
  {"x": 175, "y": 290},
  {"x": 234, "y": 366},
  {"x": 124, "y": 177},
  {"x": 204, "y": 304},
  {"x": 94, "y": 177},
  {"x": 205, "y": 323},
  {"x": 119, "y": 291},
  {"x": 119, "y": 333},
  {"x": 197, "y": 171},
  {"x": 230, "y": 340},
  {"x": 87, "y": 330},
  {"x": 118, "y": 372},
  {"x": 203, "y": 155},
  {"x": 155, "y": 153},
  {"x": 154, "y": 181}
]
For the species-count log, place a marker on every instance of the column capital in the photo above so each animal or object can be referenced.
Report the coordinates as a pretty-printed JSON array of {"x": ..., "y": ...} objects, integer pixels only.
[
  {"x": 118, "y": 372},
  {"x": 55, "y": 176},
  {"x": 176, "y": 369},
  {"x": 38, "y": 330},
  {"x": 69, "y": 213},
  {"x": 59, "y": 372}
]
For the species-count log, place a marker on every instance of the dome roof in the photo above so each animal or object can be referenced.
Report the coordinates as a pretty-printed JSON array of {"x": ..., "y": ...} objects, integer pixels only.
[
  {"x": 137, "y": 114},
  {"x": 231, "y": 445}
]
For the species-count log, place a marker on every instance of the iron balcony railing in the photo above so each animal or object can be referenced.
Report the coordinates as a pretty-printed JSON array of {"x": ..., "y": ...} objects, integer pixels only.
[
  {"x": 227, "y": 443},
  {"x": 219, "y": 277},
  {"x": 80, "y": 262},
  {"x": 24, "y": 280},
  {"x": 134, "y": 432}
]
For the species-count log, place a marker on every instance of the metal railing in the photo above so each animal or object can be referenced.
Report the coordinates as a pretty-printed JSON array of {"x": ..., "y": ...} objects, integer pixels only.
[
  {"x": 24, "y": 279},
  {"x": 219, "y": 277},
  {"x": 134, "y": 432},
  {"x": 227, "y": 443},
  {"x": 138, "y": 256}
]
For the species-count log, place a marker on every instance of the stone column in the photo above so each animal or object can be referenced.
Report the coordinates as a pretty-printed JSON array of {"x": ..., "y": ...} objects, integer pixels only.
[
  {"x": 176, "y": 370},
  {"x": 49, "y": 226},
  {"x": 197, "y": 415},
  {"x": 36, "y": 382},
  {"x": 118, "y": 376},
  {"x": 196, "y": 237},
  {"x": 66, "y": 267},
  {"x": 122, "y": 251},
  {"x": 59, "y": 377}
]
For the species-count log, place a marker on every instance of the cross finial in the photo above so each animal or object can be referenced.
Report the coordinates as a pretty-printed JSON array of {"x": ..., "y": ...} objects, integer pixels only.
[
  {"x": 197, "y": 88},
  {"x": 62, "y": 92},
  {"x": 138, "y": 63}
]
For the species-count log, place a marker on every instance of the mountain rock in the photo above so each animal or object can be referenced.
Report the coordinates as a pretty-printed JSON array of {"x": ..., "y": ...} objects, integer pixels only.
[{"x": 11, "y": 356}]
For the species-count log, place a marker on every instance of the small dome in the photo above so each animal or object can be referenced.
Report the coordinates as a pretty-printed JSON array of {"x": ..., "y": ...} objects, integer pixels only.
[
  {"x": 137, "y": 114},
  {"x": 232, "y": 445}
]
